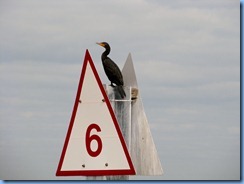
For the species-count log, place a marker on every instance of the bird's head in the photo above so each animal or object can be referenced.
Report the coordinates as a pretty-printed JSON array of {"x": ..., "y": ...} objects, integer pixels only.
[{"x": 104, "y": 44}]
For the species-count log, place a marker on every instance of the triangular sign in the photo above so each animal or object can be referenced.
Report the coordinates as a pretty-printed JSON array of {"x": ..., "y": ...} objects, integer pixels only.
[{"x": 94, "y": 144}]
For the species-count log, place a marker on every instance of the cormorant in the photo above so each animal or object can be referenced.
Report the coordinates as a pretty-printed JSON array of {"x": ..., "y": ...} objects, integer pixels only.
[{"x": 112, "y": 70}]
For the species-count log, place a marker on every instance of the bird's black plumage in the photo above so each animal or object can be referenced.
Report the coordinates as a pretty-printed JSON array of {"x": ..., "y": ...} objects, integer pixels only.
[{"x": 112, "y": 70}]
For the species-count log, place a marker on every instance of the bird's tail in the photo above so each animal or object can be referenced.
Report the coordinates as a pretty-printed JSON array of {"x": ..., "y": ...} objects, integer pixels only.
[{"x": 121, "y": 91}]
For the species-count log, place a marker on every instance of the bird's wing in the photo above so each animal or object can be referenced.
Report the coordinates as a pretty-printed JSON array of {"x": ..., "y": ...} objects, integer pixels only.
[{"x": 113, "y": 72}]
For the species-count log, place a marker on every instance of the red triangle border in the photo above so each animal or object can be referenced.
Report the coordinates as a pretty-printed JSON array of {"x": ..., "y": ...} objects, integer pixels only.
[{"x": 59, "y": 172}]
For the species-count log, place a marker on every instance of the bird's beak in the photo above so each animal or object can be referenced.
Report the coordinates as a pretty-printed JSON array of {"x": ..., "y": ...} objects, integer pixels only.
[{"x": 100, "y": 44}]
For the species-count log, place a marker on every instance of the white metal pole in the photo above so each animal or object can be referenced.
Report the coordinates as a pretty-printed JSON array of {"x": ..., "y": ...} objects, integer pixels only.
[{"x": 122, "y": 110}]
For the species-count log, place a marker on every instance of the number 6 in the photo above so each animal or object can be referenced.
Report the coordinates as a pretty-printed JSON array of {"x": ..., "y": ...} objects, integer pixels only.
[{"x": 90, "y": 138}]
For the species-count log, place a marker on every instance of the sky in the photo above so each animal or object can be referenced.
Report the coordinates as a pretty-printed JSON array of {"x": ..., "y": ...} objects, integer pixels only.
[{"x": 186, "y": 55}]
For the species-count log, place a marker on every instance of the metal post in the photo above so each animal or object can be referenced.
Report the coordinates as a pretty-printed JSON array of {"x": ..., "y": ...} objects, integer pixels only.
[
  {"x": 122, "y": 110},
  {"x": 95, "y": 178}
]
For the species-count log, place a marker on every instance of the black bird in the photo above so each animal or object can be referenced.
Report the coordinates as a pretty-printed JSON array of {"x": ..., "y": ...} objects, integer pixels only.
[{"x": 112, "y": 70}]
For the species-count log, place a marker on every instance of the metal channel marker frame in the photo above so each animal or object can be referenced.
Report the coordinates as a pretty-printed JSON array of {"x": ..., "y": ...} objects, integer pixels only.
[{"x": 132, "y": 121}]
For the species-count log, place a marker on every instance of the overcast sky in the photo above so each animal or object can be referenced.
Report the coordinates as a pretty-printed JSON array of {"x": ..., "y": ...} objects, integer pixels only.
[{"x": 186, "y": 54}]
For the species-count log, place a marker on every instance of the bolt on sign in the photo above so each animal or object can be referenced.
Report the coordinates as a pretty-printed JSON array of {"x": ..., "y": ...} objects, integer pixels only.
[{"x": 94, "y": 144}]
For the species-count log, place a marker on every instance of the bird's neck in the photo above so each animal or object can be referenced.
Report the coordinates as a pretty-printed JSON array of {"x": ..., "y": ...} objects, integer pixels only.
[{"x": 105, "y": 53}]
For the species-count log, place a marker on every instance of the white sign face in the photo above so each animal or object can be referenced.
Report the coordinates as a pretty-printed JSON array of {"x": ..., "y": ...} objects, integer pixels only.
[{"x": 94, "y": 145}]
